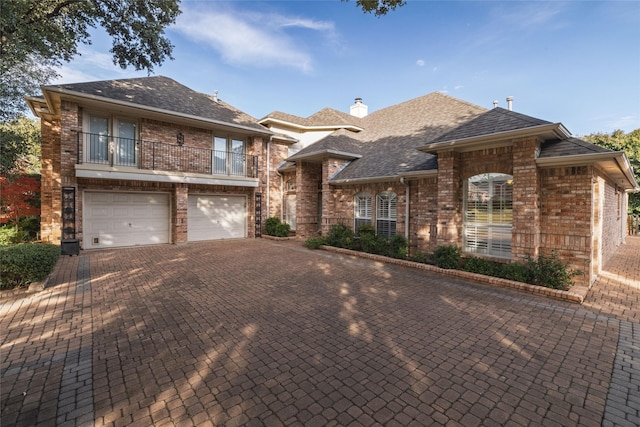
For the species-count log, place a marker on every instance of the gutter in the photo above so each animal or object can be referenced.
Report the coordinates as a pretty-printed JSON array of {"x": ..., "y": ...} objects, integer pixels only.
[{"x": 407, "y": 206}]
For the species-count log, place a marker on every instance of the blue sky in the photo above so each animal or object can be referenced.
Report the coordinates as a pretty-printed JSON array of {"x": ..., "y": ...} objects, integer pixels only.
[{"x": 575, "y": 62}]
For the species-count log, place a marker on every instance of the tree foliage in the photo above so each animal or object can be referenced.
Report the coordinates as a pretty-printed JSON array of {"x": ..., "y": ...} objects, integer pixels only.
[
  {"x": 630, "y": 144},
  {"x": 379, "y": 7},
  {"x": 18, "y": 198},
  {"x": 20, "y": 147},
  {"x": 36, "y": 35}
]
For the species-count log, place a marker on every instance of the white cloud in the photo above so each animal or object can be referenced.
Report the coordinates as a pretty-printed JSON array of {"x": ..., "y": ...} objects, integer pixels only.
[
  {"x": 420, "y": 63},
  {"x": 92, "y": 65},
  {"x": 252, "y": 38}
]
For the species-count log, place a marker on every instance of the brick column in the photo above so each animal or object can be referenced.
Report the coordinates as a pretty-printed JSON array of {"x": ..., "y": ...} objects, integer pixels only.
[
  {"x": 449, "y": 223},
  {"x": 526, "y": 200},
  {"x": 49, "y": 184},
  {"x": 179, "y": 208},
  {"x": 308, "y": 177},
  {"x": 329, "y": 214}
]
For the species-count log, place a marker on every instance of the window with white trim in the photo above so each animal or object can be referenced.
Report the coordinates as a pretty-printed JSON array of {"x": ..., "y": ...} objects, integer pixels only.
[
  {"x": 110, "y": 140},
  {"x": 362, "y": 210},
  {"x": 386, "y": 213},
  {"x": 488, "y": 214}
]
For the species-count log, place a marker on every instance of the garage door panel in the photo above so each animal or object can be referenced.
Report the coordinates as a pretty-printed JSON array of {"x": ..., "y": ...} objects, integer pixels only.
[
  {"x": 125, "y": 219},
  {"x": 216, "y": 217}
]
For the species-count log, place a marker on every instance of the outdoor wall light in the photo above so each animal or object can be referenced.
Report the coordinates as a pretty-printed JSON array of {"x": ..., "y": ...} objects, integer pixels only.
[{"x": 180, "y": 139}]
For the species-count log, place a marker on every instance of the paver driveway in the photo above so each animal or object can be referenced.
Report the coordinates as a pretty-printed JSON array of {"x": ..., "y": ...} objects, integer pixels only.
[{"x": 256, "y": 332}]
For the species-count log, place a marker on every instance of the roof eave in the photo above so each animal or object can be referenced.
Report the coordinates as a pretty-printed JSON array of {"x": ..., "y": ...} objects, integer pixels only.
[
  {"x": 547, "y": 131},
  {"x": 609, "y": 161},
  {"x": 366, "y": 180},
  {"x": 154, "y": 111},
  {"x": 322, "y": 154},
  {"x": 270, "y": 120}
]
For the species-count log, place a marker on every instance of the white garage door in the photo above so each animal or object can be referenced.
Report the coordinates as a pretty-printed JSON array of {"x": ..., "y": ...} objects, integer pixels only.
[
  {"x": 216, "y": 217},
  {"x": 125, "y": 219}
]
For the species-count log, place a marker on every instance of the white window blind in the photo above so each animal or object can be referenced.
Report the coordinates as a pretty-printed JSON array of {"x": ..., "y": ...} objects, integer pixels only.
[
  {"x": 362, "y": 207},
  {"x": 488, "y": 214},
  {"x": 386, "y": 213}
]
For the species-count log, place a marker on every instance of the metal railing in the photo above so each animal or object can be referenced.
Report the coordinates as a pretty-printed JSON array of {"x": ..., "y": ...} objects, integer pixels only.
[{"x": 152, "y": 155}]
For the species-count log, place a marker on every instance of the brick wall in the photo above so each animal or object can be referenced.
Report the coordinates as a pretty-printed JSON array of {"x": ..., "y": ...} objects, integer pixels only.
[
  {"x": 566, "y": 216},
  {"x": 526, "y": 200},
  {"x": 308, "y": 180},
  {"x": 424, "y": 215},
  {"x": 449, "y": 223},
  {"x": 613, "y": 218}
]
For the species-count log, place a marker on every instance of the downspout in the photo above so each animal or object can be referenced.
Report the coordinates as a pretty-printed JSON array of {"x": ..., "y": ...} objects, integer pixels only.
[
  {"x": 282, "y": 201},
  {"x": 406, "y": 212},
  {"x": 269, "y": 174}
]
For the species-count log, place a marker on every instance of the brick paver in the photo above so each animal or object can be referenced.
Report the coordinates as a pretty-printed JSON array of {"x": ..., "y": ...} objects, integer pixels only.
[{"x": 256, "y": 332}]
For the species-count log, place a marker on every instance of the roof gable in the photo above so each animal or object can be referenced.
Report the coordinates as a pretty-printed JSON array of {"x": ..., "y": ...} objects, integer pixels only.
[{"x": 491, "y": 122}]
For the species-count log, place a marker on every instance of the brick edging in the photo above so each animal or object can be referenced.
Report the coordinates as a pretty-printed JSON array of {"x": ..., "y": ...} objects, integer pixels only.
[{"x": 576, "y": 295}]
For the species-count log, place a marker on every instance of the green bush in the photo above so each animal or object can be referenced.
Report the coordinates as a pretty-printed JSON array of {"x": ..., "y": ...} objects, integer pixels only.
[
  {"x": 421, "y": 257},
  {"x": 448, "y": 257},
  {"x": 270, "y": 225},
  {"x": 482, "y": 266},
  {"x": 397, "y": 247},
  {"x": 282, "y": 230},
  {"x": 340, "y": 236},
  {"x": 366, "y": 230},
  {"x": 517, "y": 272},
  {"x": 26, "y": 263},
  {"x": 314, "y": 242},
  {"x": 550, "y": 272}
]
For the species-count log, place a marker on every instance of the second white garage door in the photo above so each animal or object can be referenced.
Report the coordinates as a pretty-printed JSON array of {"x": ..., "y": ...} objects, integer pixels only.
[{"x": 216, "y": 217}]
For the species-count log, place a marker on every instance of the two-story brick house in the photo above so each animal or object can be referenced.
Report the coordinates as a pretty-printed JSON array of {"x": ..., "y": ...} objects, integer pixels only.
[{"x": 146, "y": 161}]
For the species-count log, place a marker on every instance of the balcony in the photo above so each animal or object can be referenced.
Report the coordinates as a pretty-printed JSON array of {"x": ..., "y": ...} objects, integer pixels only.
[{"x": 127, "y": 158}]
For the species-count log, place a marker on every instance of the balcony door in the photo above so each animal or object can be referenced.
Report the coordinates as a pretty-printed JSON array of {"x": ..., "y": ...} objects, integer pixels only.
[
  {"x": 228, "y": 156},
  {"x": 98, "y": 150},
  {"x": 125, "y": 147}
]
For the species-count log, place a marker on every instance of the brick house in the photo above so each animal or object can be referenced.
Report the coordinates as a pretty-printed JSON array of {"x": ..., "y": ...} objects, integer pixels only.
[
  {"x": 496, "y": 183},
  {"x": 147, "y": 161}
]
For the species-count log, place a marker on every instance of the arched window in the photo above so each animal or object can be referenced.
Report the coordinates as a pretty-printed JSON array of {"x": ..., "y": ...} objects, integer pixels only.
[
  {"x": 362, "y": 209},
  {"x": 488, "y": 214},
  {"x": 386, "y": 213}
]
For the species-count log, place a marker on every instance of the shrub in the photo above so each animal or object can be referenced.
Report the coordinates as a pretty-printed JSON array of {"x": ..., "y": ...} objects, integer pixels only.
[
  {"x": 447, "y": 256},
  {"x": 517, "y": 272},
  {"x": 270, "y": 225},
  {"x": 550, "y": 272},
  {"x": 397, "y": 246},
  {"x": 340, "y": 236},
  {"x": 314, "y": 242},
  {"x": 421, "y": 257},
  {"x": 26, "y": 263},
  {"x": 481, "y": 266},
  {"x": 366, "y": 230},
  {"x": 282, "y": 230}
]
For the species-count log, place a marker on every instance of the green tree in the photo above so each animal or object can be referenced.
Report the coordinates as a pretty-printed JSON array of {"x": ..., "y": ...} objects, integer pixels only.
[
  {"x": 630, "y": 144},
  {"x": 36, "y": 35},
  {"x": 379, "y": 7},
  {"x": 20, "y": 147}
]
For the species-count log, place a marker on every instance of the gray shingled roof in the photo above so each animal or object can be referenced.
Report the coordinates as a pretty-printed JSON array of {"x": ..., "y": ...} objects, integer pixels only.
[
  {"x": 163, "y": 93},
  {"x": 493, "y": 121},
  {"x": 569, "y": 147},
  {"x": 388, "y": 144},
  {"x": 325, "y": 117}
]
